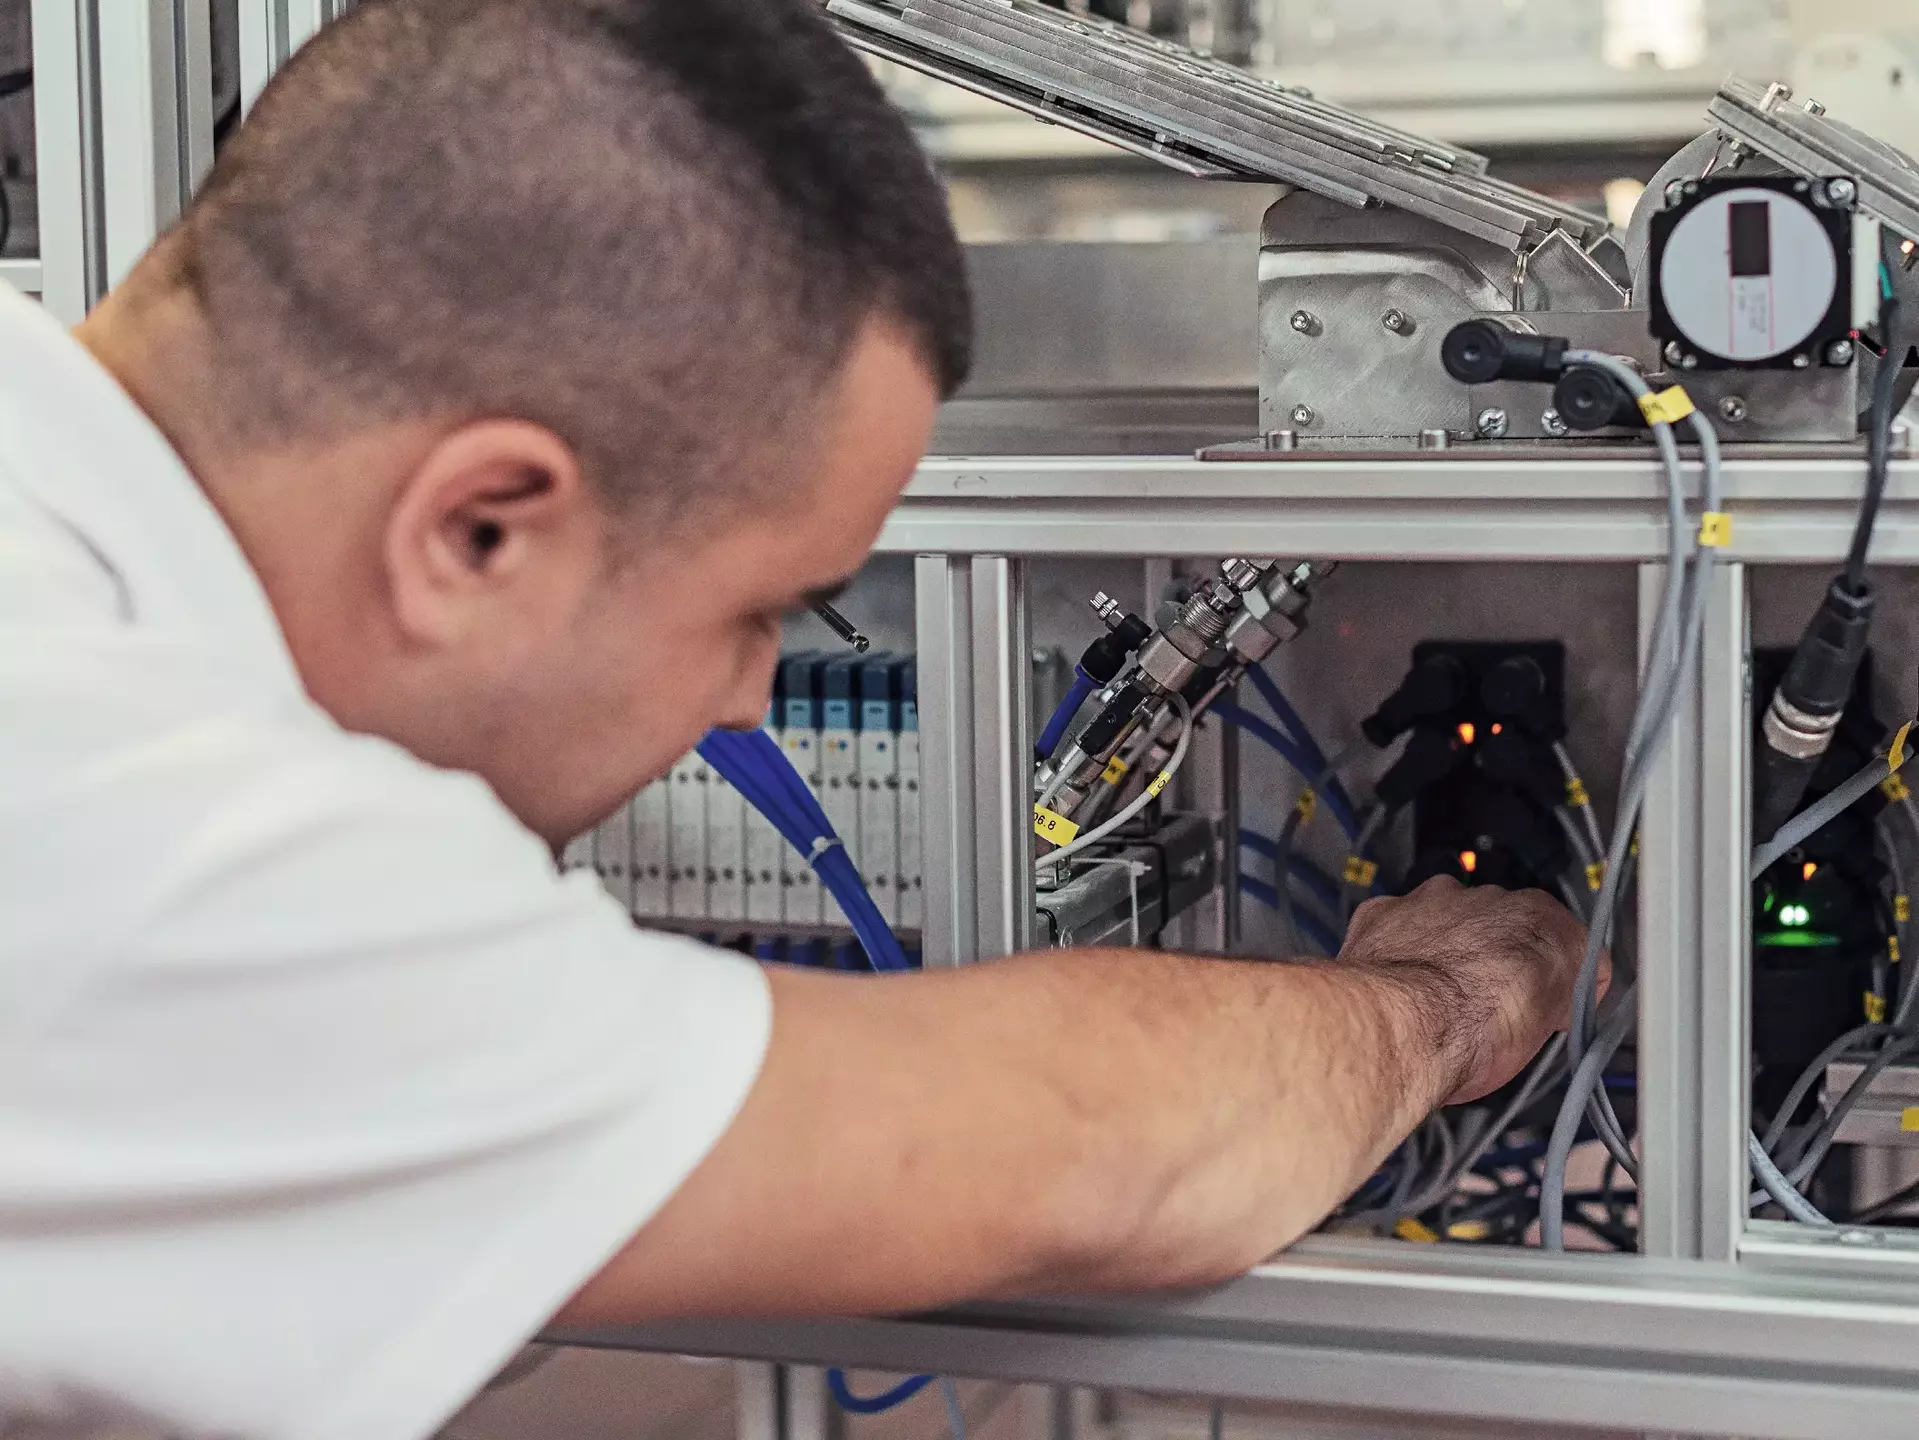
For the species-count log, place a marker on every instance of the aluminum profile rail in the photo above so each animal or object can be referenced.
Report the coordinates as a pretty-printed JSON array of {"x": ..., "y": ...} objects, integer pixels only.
[
  {"x": 1811, "y": 143},
  {"x": 1197, "y": 114}
]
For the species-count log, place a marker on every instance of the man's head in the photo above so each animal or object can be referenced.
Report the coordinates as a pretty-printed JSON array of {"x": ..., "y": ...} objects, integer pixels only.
[{"x": 542, "y": 355}]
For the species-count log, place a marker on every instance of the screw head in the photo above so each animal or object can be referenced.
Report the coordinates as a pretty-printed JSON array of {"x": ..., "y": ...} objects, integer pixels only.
[
  {"x": 1305, "y": 322},
  {"x": 1813, "y": 107},
  {"x": 1732, "y": 409},
  {"x": 1840, "y": 191},
  {"x": 1303, "y": 416},
  {"x": 1398, "y": 321},
  {"x": 1776, "y": 95},
  {"x": 1493, "y": 424},
  {"x": 1554, "y": 424},
  {"x": 1679, "y": 357},
  {"x": 1840, "y": 352},
  {"x": 1676, "y": 192},
  {"x": 1802, "y": 361}
]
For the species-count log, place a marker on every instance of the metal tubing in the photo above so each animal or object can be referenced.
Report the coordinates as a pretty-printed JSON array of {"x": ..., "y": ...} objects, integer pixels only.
[{"x": 943, "y": 587}]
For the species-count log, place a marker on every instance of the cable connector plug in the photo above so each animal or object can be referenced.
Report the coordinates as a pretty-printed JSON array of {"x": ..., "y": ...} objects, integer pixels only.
[{"x": 1804, "y": 712}]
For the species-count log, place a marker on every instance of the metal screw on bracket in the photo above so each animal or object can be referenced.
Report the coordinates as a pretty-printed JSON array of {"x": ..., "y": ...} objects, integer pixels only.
[
  {"x": 1398, "y": 321},
  {"x": 1554, "y": 424},
  {"x": 1676, "y": 192},
  {"x": 1802, "y": 361},
  {"x": 1841, "y": 192},
  {"x": 1282, "y": 439},
  {"x": 1813, "y": 107},
  {"x": 1305, "y": 322},
  {"x": 1839, "y": 353},
  {"x": 1435, "y": 439},
  {"x": 1732, "y": 410},
  {"x": 1493, "y": 424},
  {"x": 1303, "y": 416},
  {"x": 1776, "y": 95},
  {"x": 1679, "y": 357}
]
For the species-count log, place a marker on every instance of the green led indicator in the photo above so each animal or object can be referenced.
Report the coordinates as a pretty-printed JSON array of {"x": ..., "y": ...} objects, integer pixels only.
[{"x": 1793, "y": 916}]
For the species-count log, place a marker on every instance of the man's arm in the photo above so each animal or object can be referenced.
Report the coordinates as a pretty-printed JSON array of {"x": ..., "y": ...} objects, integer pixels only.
[{"x": 1087, "y": 1120}]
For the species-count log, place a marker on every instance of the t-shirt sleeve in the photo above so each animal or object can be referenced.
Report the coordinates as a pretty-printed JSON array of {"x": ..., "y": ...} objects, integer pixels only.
[{"x": 333, "y": 1091}]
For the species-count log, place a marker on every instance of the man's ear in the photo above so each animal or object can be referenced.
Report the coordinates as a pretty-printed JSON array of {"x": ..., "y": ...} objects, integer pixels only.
[{"x": 496, "y": 518}]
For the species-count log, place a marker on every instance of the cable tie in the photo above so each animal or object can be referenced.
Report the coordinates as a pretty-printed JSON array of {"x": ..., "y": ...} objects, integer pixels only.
[
  {"x": 1576, "y": 795},
  {"x": 821, "y": 845},
  {"x": 1895, "y": 788},
  {"x": 1115, "y": 771},
  {"x": 1668, "y": 407},
  {"x": 1360, "y": 871},
  {"x": 1892, "y": 949},
  {"x": 1596, "y": 876},
  {"x": 1052, "y": 827},
  {"x": 1902, "y": 908},
  {"x": 1307, "y": 805},
  {"x": 1876, "y": 1013},
  {"x": 1715, "y": 529},
  {"x": 1896, "y": 757}
]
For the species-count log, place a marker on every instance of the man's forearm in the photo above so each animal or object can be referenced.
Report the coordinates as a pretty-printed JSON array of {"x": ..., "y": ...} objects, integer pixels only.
[{"x": 1091, "y": 1119}]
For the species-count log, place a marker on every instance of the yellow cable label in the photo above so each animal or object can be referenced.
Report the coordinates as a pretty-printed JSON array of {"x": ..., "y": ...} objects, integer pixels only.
[
  {"x": 1053, "y": 827},
  {"x": 1469, "y": 1230},
  {"x": 1115, "y": 771},
  {"x": 1896, "y": 757},
  {"x": 1909, "y": 1119},
  {"x": 1307, "y": 806},
  {"x": 1160, "y": 782},
  {"x": 1668, "y": 407},
  {"x": 1902, "y": 908},
  {"x": 1876, "y": 1013},
  {"x": 1576, "y": 793},
  {"x": 1892, "y": 948},
  {"x": 1715, "y": 529},
  {"x": 1411, "y": 1229},
  {"x": 1895, "y": 788},
  {"x": 1595, "y": 876},
  {"x": 1360, "y": 871}
]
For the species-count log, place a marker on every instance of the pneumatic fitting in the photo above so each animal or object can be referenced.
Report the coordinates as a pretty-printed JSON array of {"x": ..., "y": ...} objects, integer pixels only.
[{"x": 1805, "y": 710}]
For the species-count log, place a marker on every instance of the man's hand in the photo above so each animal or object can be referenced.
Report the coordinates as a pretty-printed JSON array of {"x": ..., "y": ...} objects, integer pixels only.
[{"x": 1483, "y": 976}]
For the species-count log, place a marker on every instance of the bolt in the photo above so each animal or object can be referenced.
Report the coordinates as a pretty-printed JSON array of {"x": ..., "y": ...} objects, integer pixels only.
[
  {"x": 1554, "y": 424},
  {"x": 1802, "y": 361},
  {"x": 1813, "y": 107},
  {"x": 1676, "y": 191},
  {"x": 1109, "y": 610},
  {"x": 1303, "y": 416},
  {"x": 1282, "y": 439},
  {"x": 1776, "y": 95},
  {"x": 1839, "y": 353},
  {"x": 1679, "y": 357},
  {"x": 1435, "y": 439},
  {"x": 1732, "y": 409},
  {"x": 1841, "y": 192},
  {"x": 1398, "y": 321},
  {"x": 1305, "y": 322},
  {"x": 1493, "y": 424}
]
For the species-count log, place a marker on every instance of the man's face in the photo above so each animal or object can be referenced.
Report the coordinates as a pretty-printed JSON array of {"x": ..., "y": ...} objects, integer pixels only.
[{"x": 685, "y": 637}]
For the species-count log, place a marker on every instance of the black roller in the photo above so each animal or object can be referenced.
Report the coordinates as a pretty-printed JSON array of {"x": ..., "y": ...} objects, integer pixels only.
[
  {"x": 1478, "y": 352},
  {"x": 1587, "y": 398}
]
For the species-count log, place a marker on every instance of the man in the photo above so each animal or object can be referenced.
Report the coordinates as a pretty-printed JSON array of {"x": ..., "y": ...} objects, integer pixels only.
[{"x": 442, "y": 476}]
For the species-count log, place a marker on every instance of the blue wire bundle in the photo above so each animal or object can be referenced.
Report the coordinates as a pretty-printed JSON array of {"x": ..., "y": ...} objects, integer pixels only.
[{"x": 757, "y": 768}]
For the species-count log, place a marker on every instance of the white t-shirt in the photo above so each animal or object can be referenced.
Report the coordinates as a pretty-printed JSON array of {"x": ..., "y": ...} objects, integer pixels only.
[{"x": 320, "y": 1090}]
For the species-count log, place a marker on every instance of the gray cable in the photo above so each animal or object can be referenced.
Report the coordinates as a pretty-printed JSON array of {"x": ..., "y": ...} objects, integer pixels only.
[
  {"x": 1559, "y": 1148},
  {"x": 1571, "y": 772},
  {"x": 1146, "y": 796},
  {"x": 1813, "y": 1153},
  {"x": 1369, "y": 829},
  {"x": 1779, "y": 1188},
  {"x": 955, "y": 1417},
  {"x": 1817, "y": 816},
  {"x": 1811, "y": 1076}
]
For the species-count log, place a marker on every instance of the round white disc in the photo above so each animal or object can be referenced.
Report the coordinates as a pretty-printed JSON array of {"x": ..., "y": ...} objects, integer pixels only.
[{"x": 1749, "y": 274}]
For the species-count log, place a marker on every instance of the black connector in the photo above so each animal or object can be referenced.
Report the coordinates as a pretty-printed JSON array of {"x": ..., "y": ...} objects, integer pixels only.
[
  {"x": 1478, "y": 352},
  {"x": 1108, "y": 724},
  {"x": 1805, "y": 709},
  {"x": 1587, "y": 398},
  {"x": 1106, "y": 656},
  {"x": 1436, "y": 685}
]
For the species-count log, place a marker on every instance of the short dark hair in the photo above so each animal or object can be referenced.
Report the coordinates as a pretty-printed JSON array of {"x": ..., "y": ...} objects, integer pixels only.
[{"x": 655, "y": 226}]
